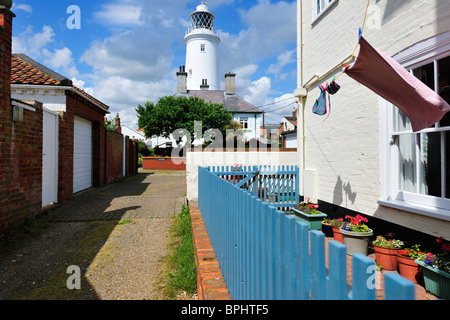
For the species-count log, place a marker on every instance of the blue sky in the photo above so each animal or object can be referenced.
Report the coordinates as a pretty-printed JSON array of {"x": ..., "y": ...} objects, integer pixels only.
[{"x": 127, "y": 52}]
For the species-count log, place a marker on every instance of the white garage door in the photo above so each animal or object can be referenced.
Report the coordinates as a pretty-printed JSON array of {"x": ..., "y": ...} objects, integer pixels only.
[{"x": 82, "y": 155}]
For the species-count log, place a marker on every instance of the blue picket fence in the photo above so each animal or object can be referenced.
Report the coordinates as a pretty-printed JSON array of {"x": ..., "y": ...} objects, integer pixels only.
[
  {"x": 276, "y": 185},
  {"x": 264, "y": 253}
]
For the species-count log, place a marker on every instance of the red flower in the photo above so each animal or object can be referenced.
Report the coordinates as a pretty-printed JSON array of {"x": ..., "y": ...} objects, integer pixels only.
[{"x": 446, "y": 247}]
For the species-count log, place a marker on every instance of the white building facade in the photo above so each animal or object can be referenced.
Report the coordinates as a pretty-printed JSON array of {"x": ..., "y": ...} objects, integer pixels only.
[{"x": 365, "y": 158}]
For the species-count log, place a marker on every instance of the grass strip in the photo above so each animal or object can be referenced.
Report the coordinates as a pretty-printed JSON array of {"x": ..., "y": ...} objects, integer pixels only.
[{"x": 181, "y": 268}]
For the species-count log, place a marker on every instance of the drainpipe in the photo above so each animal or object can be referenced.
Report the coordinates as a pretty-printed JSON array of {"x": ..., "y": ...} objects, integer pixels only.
[{"x": 301, "y": 92}]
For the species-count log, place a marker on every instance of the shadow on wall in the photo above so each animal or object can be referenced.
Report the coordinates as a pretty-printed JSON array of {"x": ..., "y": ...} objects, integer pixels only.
[{"x": 341, "y": 189}]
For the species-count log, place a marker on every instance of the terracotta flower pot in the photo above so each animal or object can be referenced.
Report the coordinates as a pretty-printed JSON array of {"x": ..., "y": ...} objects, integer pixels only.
[
  {"x": 338, "y": 235},
  {"x": 408, "y": 268},
  {"x": 387, "y": 257}
]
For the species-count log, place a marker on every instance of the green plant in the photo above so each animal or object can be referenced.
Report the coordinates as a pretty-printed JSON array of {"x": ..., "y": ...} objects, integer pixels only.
[
  {"x": 337, "y": 223},
  {"x": 388, "y": 243},
  {"x": 355, "y": 224},
  {"x": 415, "y": 252},
  {"x": 308, "y": 207},
  {"x": 440, "y": 260},
  {"x": 182, "y": 273}
]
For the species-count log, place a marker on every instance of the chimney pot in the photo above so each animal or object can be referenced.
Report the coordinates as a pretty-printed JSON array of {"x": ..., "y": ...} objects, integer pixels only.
[{"x": 182, "y": 79}]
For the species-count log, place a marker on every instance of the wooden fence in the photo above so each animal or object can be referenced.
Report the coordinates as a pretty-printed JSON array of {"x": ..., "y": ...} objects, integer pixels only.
[{"x": 264, "y": 253}]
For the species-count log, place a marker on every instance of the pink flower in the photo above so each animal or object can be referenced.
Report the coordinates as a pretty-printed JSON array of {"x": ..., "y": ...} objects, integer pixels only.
[{"x": 316, "y": 206}]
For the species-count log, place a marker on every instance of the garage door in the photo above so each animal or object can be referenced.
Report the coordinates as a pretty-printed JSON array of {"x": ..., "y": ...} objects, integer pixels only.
[{"x": 82, "y": 156}]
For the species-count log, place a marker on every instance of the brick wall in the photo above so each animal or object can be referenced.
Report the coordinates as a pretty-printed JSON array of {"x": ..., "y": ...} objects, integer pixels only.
[
  {"x": 114, "y": 156},
  {"x": 20, "y": 144},
  {"x": 156, "y": 163}
]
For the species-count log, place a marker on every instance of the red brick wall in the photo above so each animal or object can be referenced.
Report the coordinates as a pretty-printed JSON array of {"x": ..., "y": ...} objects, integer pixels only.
[
  {"x": 20, "y": 145},
  {"x": 114, "y": 156},
  {"x": 132, "y": 158},
  {"x": 21, "y": 169},
  {"x": 156, "y": 163}
]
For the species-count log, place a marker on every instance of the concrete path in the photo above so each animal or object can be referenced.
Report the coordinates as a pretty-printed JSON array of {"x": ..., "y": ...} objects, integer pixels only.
[{"x": 146, "y": 195}]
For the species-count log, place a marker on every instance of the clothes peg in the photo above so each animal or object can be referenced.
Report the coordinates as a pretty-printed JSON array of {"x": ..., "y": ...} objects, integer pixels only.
[{"x": 359, "y": 34}]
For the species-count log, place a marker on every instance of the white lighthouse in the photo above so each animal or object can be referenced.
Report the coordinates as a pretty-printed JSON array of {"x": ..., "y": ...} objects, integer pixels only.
[{"x": 202, "y": 51}]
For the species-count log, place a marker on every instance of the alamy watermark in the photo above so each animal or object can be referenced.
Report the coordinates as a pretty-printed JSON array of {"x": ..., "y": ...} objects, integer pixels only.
[
  {"x": 74, "y": 20},
  {"x": 228, "y": 147},
  {"x": 74, "y": 280}
]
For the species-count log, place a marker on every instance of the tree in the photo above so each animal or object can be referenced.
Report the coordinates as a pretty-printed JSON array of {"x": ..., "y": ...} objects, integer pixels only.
[{"x": 171, "y": 113}]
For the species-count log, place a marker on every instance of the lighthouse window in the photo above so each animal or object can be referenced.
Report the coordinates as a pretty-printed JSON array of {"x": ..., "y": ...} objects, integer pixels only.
[{"x": 202, "y": 48}]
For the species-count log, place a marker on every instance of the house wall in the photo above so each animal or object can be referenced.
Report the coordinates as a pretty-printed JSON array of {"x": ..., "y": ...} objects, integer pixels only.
[
  {"x": 344, "y": 151},
  {"x": 20, "y": 145},
  {"x": 254, "y": 124},
  {"x": 220, "y": 158}
]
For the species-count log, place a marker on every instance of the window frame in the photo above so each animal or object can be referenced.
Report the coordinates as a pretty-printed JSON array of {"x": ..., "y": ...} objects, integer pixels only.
[
  {"x": 244, "y": 122},
  {"x": 418, "y": 55},
  {"x": 202, "y": 48},
  {"x": 319, "y": 12}
]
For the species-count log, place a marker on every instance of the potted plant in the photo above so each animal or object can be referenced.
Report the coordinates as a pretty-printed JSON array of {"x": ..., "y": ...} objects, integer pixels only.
[
  {"x": 436, "y": 270},
  {"x": 307, "y": 212},
  {"x": 386, "y": 252},
  {"x": 356, "y": 234},
  {"x": 335, "y": 225},
  {"x": 408, "y": 268},
  {"x": 327, "y": 229}
]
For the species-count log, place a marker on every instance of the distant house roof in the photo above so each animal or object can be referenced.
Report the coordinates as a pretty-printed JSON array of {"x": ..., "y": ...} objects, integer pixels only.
[
  {"x": 231, "y": 102},
  {"x": 25, "y": 70},
  {"x": 291, "y": 119},
  {"x": 272, "y": 126}
]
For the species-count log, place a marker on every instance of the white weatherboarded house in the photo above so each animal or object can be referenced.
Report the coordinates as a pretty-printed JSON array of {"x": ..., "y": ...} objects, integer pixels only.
[{"x": 365, "y": 158}]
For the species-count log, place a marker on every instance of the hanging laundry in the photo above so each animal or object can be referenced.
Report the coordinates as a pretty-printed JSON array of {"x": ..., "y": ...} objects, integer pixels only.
[
  {"x": 320, "y": 106},
  {"x": 390, "y": 80}
]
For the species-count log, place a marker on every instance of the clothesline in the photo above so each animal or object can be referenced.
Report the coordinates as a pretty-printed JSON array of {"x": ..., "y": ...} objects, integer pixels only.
[{"x": 351, "y": 56}]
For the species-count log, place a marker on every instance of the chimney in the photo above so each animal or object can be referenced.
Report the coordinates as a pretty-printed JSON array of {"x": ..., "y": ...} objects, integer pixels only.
[
  {"x": 6, "y": 18},
  {"x": 118, "y": 127},
  {"x": 230, "y": 86},
  {"x": 204, "y": 85},
  {"x": 182, "y": 78}
]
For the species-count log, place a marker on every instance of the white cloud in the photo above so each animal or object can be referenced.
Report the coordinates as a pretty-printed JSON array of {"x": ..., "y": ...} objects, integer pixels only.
[
  {"x": 124, "y": 95},
  {"x": 24, "y": 7},
  {"x": 134, "y": 55},
  {"x": 283, "y": 59},
  {"x": 32, "y": 43},
  {"x": 62, "y": 60},
  {"x": 120, "y": 14}
]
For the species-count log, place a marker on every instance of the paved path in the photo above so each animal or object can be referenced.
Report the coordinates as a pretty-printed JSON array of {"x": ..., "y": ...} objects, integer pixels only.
[{"x": 146, "y": 195}]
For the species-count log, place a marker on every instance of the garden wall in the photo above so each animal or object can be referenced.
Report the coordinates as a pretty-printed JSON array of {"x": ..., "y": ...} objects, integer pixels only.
[{"x": 162, "y": 163}]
